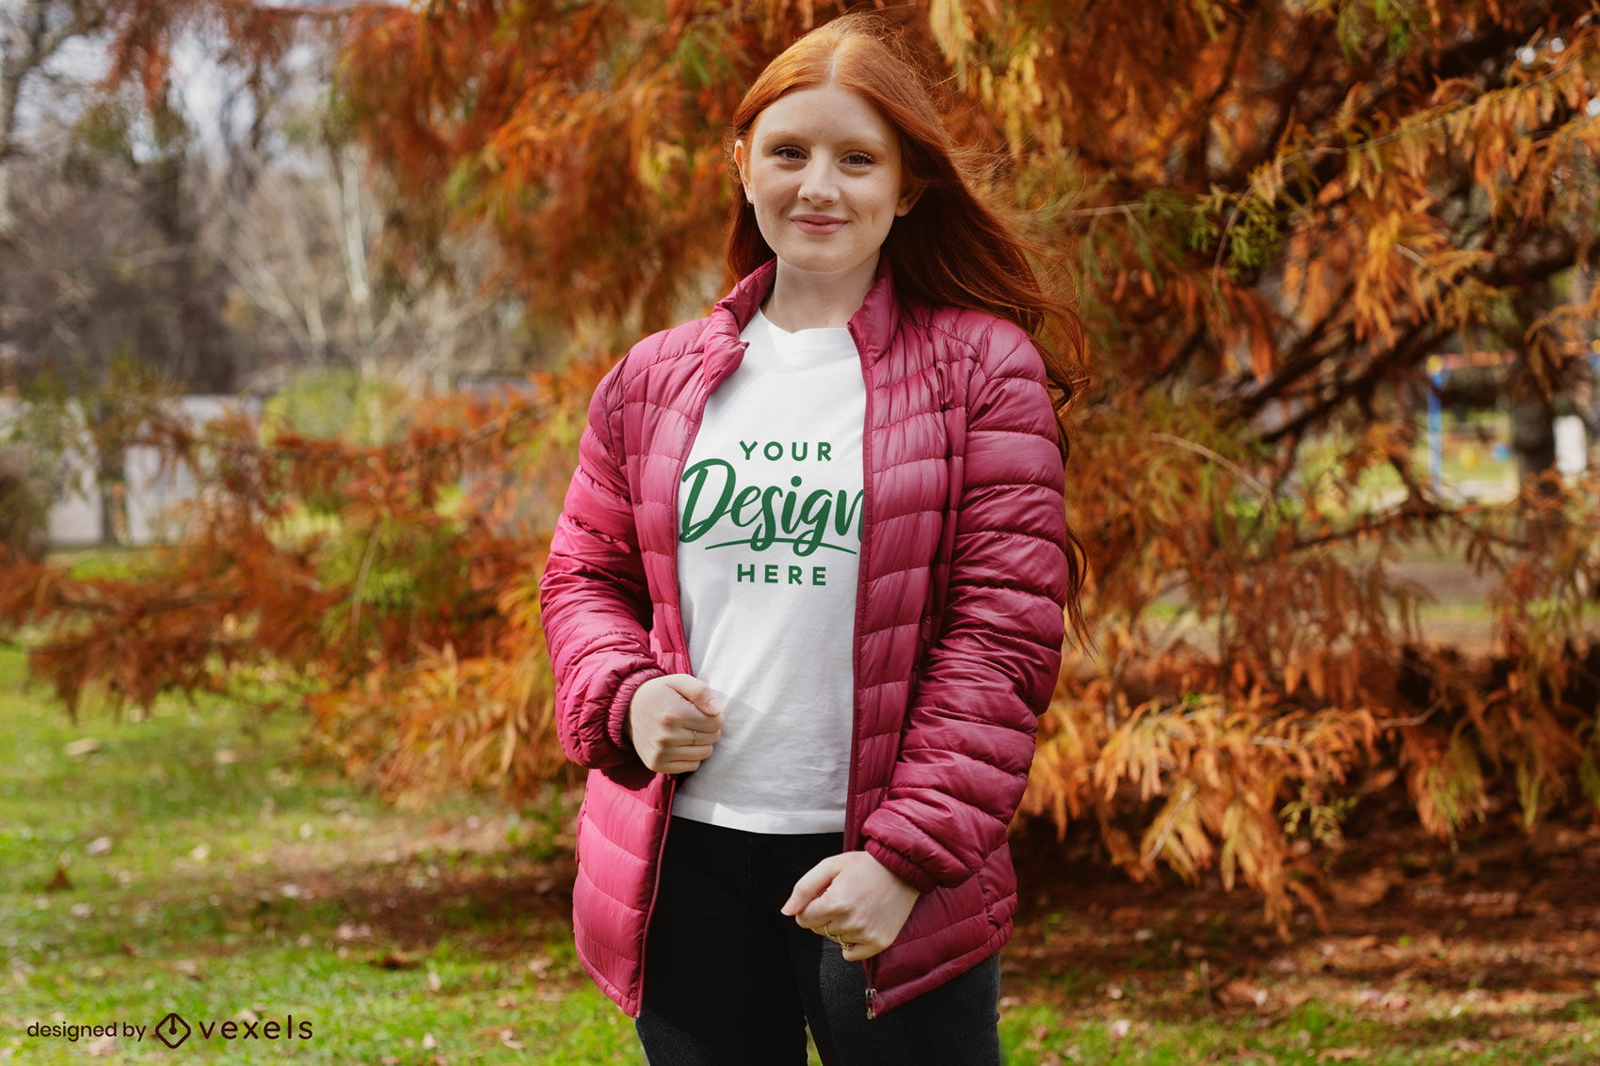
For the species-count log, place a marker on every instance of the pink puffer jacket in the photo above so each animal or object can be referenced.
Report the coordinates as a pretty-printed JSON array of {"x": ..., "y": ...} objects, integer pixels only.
[{"x": 959, "y": 620}]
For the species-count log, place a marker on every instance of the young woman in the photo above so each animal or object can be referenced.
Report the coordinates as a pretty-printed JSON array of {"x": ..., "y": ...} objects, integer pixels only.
[{"x": 806, "y": 598}]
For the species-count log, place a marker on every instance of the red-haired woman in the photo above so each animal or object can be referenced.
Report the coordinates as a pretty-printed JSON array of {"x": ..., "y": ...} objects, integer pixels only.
[{"x": 805, "y": 601}]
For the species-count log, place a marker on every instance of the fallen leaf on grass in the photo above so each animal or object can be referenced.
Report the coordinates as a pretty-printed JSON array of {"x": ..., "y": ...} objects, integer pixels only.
[
  {"x": 395, "y": 960},
  {"x": 1348, "y": 944},
  {"x": 60, "y": 882},
  {"x": 509, "y": 1039},
  {"x": 435, "y": 982},
  {"x": 1241, "y": 994},
  {"x": 98, "y": 846},
  {"x": 1343, "y": 1054},
  {"x": 81, "y": 747},
  {"x": 1121, "y": 1028}
]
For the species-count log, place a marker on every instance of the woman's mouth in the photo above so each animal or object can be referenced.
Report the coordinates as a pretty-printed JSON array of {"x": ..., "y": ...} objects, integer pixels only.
[{"x": 817, "y": 225}]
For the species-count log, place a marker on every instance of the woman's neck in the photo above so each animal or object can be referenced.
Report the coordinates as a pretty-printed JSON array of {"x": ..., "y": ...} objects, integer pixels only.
[{"x": 801, "y": 300}]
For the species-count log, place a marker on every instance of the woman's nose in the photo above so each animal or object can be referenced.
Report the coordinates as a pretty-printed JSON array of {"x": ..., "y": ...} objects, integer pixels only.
[{"x": 819, "y": 185}]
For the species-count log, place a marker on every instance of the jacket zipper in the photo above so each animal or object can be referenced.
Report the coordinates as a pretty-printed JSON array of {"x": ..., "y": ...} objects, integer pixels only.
[
  {"x": 683, "y": 642},
  {"x": 851, "y": 830}
]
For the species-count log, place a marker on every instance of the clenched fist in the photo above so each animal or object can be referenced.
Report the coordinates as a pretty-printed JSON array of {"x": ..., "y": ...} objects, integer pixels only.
[
  {"x": 673, "y": 723},
  {"x": 853, "y": 900}
]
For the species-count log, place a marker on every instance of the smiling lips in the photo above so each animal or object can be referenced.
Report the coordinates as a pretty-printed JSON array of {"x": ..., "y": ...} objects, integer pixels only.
[{"x": 819, "y": 225}]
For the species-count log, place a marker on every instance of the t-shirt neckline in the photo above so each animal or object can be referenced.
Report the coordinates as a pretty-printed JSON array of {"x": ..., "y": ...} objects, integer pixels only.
[{"x": 812, "y": 345}]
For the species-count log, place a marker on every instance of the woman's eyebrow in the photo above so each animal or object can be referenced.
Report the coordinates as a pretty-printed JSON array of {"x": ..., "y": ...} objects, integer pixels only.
[{"x": 865, "y": 141}]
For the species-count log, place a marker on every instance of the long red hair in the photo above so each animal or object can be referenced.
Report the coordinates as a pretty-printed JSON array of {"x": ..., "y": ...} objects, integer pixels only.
[{"x": 954, "y": 248}]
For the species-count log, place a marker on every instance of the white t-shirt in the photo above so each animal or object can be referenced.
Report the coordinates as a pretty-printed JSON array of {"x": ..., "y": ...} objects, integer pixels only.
[{"x": 769, "y": 541}]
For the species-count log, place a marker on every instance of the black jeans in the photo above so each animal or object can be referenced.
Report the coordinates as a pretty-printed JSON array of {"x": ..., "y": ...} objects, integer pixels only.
[{"x": 730, "y": 980}]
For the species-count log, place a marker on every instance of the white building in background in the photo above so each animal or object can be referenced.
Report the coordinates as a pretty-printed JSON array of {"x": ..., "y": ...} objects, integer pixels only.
[
  {"x": 75, "y": 517},
  {"x": 1572, "y": 445}
]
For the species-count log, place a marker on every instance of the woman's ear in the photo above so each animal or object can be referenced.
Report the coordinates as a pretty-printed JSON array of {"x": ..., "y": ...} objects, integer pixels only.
[
  {"x": 908, "y": 200},
  {"x": 741, "y": 162}
]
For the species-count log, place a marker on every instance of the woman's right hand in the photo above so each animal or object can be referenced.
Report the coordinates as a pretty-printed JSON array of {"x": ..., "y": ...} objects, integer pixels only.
[{"x": 674, "y": 722}]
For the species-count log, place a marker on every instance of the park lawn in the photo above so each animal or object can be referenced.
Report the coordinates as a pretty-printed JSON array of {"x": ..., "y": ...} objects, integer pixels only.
[
  {"x": 204, "y": 867},
  {"x": 214, "y": 873}
]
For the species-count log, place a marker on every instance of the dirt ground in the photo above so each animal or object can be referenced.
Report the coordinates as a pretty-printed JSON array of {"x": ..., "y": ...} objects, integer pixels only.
[{"x": 1504, "y": 926}]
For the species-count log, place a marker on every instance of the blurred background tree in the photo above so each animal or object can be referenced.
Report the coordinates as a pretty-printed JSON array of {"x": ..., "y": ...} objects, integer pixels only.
[
  {"x": 76, "y": 426},
  {"x": 174, "y": 179}
]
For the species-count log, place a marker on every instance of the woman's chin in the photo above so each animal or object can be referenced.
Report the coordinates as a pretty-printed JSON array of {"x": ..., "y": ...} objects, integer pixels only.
[{"x": 825, "y": 263}]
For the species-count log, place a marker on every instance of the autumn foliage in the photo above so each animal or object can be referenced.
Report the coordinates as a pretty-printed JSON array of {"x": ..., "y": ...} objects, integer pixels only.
[
  {"x": 391, "y": 588},
  {"x": 1273, "y": 215}
]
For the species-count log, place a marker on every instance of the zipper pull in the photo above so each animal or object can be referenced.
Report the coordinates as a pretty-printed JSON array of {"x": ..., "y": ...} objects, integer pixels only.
[{"x": 872, "y": 1011}]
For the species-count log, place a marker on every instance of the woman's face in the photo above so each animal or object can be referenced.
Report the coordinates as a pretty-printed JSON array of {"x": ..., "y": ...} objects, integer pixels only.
[{"x": 822, "y": 169}]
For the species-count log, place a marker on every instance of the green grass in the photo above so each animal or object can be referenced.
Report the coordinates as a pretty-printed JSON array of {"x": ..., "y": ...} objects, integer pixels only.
[
  {"x": 1309, "y": 1035},
  {"x": 107, "y": 561},
  {"x": 215, "y": 873},
  {"x": 210, "y": 873}
]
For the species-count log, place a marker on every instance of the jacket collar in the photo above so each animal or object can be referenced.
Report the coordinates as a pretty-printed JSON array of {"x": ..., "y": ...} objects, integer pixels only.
[{"x": 872, "y": 326}]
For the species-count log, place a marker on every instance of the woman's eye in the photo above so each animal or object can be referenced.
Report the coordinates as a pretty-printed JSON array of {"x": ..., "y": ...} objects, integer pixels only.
[
  {"x": 788, "y": 152},
  {"x": 858, "y": 159}
]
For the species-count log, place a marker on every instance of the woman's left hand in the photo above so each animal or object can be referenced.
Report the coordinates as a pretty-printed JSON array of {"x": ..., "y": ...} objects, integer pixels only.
[{"x": 854, "y": 900}]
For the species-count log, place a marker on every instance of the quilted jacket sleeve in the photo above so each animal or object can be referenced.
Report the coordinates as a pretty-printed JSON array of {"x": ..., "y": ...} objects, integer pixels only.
[
  {"x": 969, "y": 735},
  {"x": 593, "y": 597}
]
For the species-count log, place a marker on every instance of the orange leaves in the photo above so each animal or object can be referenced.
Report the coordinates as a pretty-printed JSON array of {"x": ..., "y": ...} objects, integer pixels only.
[
  {"x": 1250, "y": 661},
  {"x": 391, "y": 582},
  {"x": 575, "y": 136},
  {"x": 1209, "y": 773},
  {"x": 952, "y": 31},
  {"x": 127, "y": 639},
  {"x": 1412, "y": 271},
  {"x": 1445, "y": 779}
]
